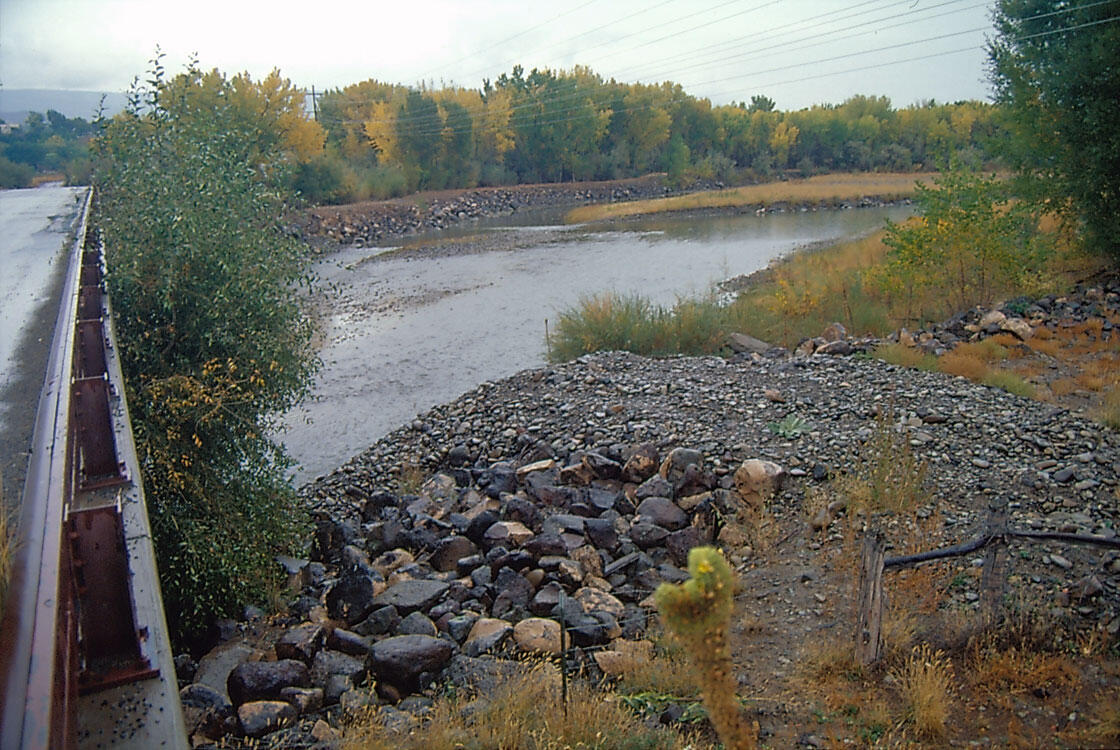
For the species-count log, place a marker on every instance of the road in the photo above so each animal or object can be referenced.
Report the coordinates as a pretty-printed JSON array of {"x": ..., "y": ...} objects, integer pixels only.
[{"x": 34, "y": 227}]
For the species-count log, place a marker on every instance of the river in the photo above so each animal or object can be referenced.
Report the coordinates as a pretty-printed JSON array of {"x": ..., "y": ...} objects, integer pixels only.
[{"x": 404, "y": 332}]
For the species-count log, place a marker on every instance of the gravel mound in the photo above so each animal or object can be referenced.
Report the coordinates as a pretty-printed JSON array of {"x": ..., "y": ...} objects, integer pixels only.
[{"x": 809, "y": 414}]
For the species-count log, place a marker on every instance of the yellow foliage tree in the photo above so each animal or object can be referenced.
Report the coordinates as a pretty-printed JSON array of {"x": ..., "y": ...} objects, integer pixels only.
[
  {"x": 381, "y": 130},
  {"x": 782, "y": 140}
]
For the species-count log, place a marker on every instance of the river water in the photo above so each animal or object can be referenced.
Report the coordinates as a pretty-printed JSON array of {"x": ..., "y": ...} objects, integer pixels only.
[{"x": 406, "y": 331}]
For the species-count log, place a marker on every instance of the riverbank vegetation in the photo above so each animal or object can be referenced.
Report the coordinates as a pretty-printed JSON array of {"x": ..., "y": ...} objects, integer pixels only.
[
  {"x": 827, "y": 190},
  {"x": 973, "y": 245},
  {"x": 213, "y": 341},
  {"x": 965, "y": 249}
]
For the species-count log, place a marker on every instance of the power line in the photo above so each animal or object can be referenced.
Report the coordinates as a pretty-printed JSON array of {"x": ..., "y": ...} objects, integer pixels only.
[
  {"x": 519, "y": 34},
  {"x": 786, "y": 45},
  {"x": 582, "y": 94},
  {"x": 591, "y": 31},
  {"x": 520, "y": 120}
]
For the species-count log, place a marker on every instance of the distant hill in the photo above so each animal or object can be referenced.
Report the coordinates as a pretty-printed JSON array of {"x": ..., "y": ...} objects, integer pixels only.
[{"x": 16, "y": 103}]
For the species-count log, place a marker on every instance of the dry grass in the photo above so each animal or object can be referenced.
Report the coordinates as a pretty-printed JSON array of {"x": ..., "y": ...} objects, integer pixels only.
[
  {"x": 1106, "y": 719},
  {"x": 523, "y": 713},
  {"x": 411, "y": 477},
  {"x": 1010, "y": 382},
  {"x": 822, "y": 189},
  {"x": 964, "y": 364},
  {"x": 888, "y": 477},
  {"x": 906, "y": 356},
  {"x": 663, "y": 669},
  {"x": 1109, "y": 412},
  {"x": 804, "y": 292},
  {"x": 1019, "y": 670},
  {"x": 632, "y": 323},
  {"x": 926, "y": 682}
]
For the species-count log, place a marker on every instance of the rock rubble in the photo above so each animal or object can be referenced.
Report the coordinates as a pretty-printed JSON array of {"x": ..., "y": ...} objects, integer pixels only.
[
  {"x": 555, "y": 501},
  {"x": 366, "y": 224}
]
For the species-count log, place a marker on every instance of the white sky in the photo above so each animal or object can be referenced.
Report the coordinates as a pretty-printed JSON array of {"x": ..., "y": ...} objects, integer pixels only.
[{"x": 721, "y": 49}]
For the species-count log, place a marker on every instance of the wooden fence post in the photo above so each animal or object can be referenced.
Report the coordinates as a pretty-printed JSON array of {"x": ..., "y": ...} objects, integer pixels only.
[
  {"x": 869, "y": 618},
  {"x": 994, "y": 575}
]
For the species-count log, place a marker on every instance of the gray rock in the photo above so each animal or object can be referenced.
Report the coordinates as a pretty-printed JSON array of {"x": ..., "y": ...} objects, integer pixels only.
[
  {"x": 335, "y": 662},
  {"x": 348, "y": 642},
  {"x": 601, "y": 533},
  {"x": 744, "y": 344},
  {"x": 417, "y": 623},
  {"x": 655, "y": 486},
  {"x": 662, "y": 512},
  {"x": 380, "y": 621},
  {"x": 487, "y": 634},
  {"x": 215, "y": 667},
  {"x": 301, "y": 642},
  {"x": 546, "y": 599},
  {"x": 352, "y": 598},
  {"x": 680, "y": 542},
  {"x": 263, "y": 680},
  {"x": 259, "y": 718},
  {"x": 305, "y": 700},
  {"x": 450, "y": 550},
  {"x": 646, "y": 535},
  {"x": 411, "y": 596},
  {"x": 642, "y": 464},
  {"x": 203, "y": 696}
]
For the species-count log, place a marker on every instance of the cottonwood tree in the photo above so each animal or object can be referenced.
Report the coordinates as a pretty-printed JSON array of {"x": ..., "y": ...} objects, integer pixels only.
[
  {"x": 213, "y": 342},
  {"x": 1056, "y": 66}
]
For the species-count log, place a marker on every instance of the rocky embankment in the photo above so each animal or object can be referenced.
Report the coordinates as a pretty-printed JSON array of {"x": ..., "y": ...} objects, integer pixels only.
[
  {"x": 567, "y": 494},
  {"x": 377, "y": 221}
]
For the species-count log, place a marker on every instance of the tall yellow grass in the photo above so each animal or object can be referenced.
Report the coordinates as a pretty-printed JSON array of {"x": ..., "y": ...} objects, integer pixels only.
[
  {"x": 525, "y": 711},
  {"x": 826, "y": 189}
]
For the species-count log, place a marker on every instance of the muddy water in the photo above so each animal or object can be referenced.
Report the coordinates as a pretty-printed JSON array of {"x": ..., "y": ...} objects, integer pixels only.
[{"x": 405, "y": 331}]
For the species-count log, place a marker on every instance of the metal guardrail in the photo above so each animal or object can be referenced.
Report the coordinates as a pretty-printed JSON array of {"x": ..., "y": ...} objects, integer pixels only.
[{"x": 85, "y": 659}]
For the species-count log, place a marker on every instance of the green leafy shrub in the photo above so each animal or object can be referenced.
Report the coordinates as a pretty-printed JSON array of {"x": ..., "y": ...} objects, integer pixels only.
[
  {"x": 212, "y": 339},
  {"x": 971, "y": 243},
  {"x": 14, "y": 175}
]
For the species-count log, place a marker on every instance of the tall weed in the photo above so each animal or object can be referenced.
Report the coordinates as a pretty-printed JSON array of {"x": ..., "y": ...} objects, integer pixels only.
[{"x": 632, "y": 323}]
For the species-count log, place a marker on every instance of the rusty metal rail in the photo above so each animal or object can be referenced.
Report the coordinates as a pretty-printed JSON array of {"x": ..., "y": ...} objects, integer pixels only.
[{"x": 85, "y": 659}]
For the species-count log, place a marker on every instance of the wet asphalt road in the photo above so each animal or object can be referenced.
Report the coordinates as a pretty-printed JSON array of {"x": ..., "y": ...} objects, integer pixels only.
[{"x": 35, "y": 226}]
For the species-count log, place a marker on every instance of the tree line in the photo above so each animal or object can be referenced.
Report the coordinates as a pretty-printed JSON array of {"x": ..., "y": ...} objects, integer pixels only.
[
  {"x": 379, "y": 140},
  {"x": 384, "y": 139},
  {"x": 45, "y": 144}
]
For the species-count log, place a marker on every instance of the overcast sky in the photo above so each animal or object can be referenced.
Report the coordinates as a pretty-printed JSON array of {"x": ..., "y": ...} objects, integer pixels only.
[{"x": 798, "y": 52}]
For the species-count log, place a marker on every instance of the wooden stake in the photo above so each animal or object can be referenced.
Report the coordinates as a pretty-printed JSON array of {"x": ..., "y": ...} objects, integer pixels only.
[
  {"x": 994, "y": 576},
  {"x": 869, "y": 618}
]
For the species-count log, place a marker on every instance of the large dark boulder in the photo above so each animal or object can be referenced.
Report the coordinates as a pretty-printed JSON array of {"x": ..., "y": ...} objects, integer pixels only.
[
  {"x": 401, "y": 660},
  {"x": 263, "y": 680}
]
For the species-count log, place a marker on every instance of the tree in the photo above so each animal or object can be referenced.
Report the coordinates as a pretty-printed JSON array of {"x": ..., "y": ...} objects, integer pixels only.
[
  {"x": 1057, "y": 68},
  {"x": 212, "y": 339},
  {"x": 971, "y": 243},
  {"x": 761, "y": 103}
]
